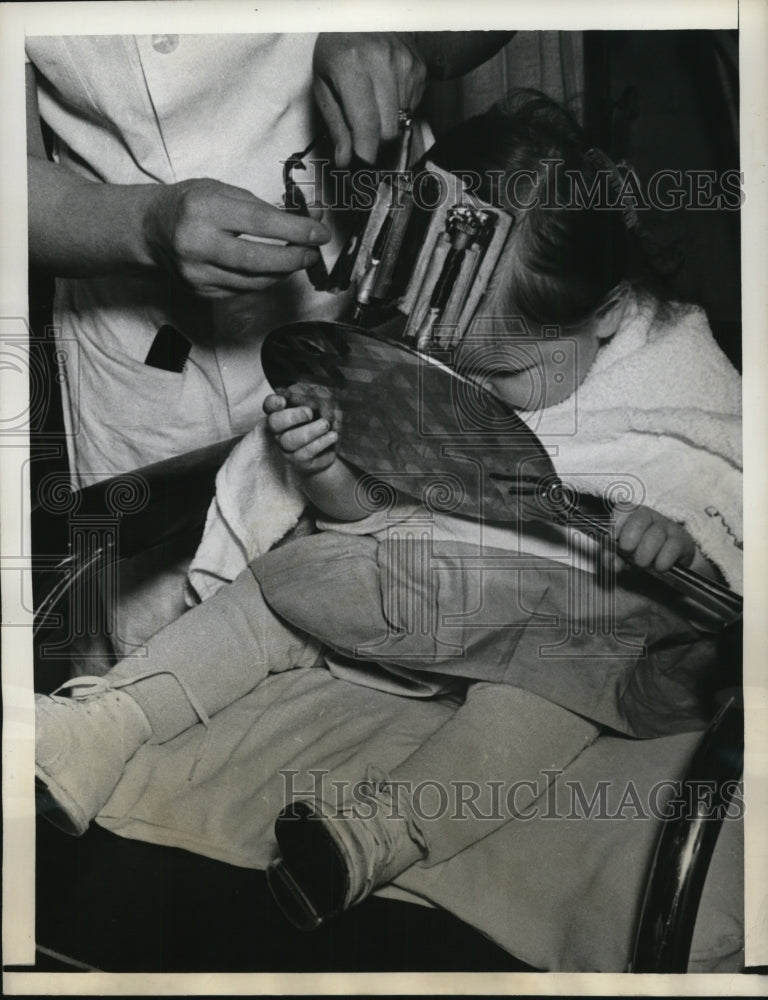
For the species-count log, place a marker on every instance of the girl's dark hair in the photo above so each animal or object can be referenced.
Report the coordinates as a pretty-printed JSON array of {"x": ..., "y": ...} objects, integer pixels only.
[{"x": 565, "y": 253}]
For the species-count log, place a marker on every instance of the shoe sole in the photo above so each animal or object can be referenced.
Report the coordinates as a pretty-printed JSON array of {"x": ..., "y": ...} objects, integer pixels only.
[
  {"x": 290, "y": 898},
  {"x": 310, "y": 882},
  {"x": 53, "y": 804}
]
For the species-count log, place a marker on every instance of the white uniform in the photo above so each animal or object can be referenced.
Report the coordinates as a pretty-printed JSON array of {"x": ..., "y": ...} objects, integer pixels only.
[{"x": 160, "y": 109}]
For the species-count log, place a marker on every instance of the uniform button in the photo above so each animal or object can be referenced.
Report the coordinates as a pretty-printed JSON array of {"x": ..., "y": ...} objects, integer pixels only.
[{"x": 165, "y": 43}]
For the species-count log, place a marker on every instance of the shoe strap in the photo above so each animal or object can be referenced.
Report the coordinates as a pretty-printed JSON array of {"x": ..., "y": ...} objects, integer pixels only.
[{"x": 92, "y": 686}]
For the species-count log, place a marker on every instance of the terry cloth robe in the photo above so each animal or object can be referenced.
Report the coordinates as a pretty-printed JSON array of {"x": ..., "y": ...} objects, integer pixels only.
[{"x": 658, "y": 422}]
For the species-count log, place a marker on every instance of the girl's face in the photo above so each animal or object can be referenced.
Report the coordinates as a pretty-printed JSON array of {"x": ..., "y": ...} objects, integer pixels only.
[
  {"x": 535, "y": 372},
  {"x": 535, "y": 367}
]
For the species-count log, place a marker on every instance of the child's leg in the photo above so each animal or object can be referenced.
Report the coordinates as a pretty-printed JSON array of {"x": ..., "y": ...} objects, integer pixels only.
[
  {"x": 207, "y": 659},
  {"x": 212, "y": 656},
  {"x": 486, "y": 763}
]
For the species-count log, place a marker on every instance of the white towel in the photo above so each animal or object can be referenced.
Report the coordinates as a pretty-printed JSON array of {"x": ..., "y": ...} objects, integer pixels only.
[
  {"x": 662, "y": 404},
  {"x": 257, "y": 501}
]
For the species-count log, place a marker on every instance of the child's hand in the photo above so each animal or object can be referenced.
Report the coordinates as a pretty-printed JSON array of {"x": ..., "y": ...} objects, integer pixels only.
[
  {"x": 301, "y": 422},
  {"x": 650, "y": 540}
]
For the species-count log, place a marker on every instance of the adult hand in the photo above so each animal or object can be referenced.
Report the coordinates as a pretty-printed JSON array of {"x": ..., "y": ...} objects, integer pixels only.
[
  {"x": 193, "y": 228},
  {"x": 361, "y": 81}
]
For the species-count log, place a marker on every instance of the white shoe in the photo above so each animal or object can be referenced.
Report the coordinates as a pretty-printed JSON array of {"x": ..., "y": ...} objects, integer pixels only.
[
  {"x": 82, "y": 744},
  {"x": 332, "y": 859}
]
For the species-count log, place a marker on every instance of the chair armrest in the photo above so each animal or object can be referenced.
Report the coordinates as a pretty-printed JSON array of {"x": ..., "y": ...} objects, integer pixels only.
[
  {"x": 153, "y": 505},
  {"x": 685, "y": 847},
  {"x": 177, "y": 494}
]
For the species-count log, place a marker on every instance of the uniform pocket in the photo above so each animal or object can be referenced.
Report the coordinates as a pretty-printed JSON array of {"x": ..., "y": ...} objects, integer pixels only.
[{"x": 124, "y": 412}]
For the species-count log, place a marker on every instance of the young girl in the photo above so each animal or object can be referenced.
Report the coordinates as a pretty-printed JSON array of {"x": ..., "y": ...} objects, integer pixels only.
[{"x": 507, "y": 617}]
